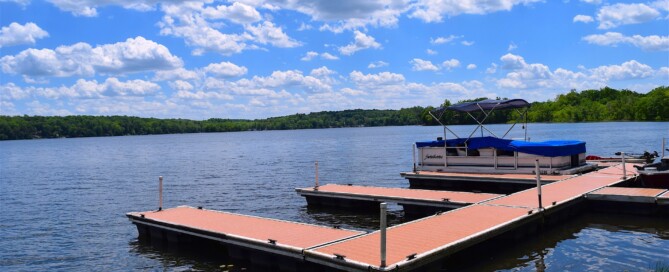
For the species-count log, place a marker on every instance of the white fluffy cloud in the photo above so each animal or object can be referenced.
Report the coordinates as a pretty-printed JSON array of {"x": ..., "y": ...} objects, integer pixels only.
[
  {"x": 583, "y": 19},
  {"x": 435, "y": 10},
  {"x": 523, "y": 75},
  {"x": 268, "y": 33},
  {"x": 648, "y": 43},
  {"x": 450, "y": 64},
  {"x": 623, "y": 14},
  {"x": 16, "y": 34},
  {"x": 311, "y": 55},
  {"x": 88, "y": 8},
  {"x": 471, "y": 66},
  {"x": 374, "y": 80},
  {"x": 111, "y": 87},
  {"x": 423, "y": 65},
  {"x": 81, "y": 59},
  {"x": 239, "y": 13},
  {"x": 225, "y": 69},
  {"x": 361, "y": 41},
  {"x": 191, "y": 21}
]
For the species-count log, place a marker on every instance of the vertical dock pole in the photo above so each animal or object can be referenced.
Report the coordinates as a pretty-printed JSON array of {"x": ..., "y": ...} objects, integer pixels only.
[
  {"x": 624, "y": 168},
  {"x": 160, "y": 193},
  {"x": 316, "y": 182},
  {"x": 413, "y": 153},
  {"x": 536, "y": 169},
  {"x": 384, "y": 223}
]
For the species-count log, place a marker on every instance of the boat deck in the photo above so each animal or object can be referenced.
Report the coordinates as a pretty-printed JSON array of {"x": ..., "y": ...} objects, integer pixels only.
[
  {"x": 445, "y": 199},
  {"x": 623, "y": 194}
]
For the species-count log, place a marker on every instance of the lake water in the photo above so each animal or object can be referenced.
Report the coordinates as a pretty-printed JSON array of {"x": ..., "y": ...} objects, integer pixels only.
[{"x": 63, "y": 201}]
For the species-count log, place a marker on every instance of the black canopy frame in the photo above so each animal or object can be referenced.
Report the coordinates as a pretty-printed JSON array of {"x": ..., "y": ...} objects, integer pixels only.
[{"x": 486, "y": 107}]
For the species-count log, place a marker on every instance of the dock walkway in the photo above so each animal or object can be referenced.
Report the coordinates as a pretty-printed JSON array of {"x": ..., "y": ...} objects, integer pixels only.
[
  {"x": 409, "y": 245},
  {"x": 417, "y": 197}
]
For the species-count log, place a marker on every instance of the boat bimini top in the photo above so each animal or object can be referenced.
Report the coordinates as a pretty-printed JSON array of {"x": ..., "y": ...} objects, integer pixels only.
[{"x": 486, "y": 107}]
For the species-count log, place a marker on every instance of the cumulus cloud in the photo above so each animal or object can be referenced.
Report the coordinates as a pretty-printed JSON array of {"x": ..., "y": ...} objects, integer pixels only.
[
  {"x": 348, "y": 14},
  {"x": 423, "y": 65},
  {"x": 435, "y": 10},
  {"x": 294, "y": 79},
  {"x": 594, "y": 2},
  {"x": 648, "y": 43},
  {"x": 268, "y": 33},
  {"x": 84, "y": 89},
  {"x": 361, "y": 41},
  {"x": 377, "y": 64},
  {"x": 443, "y": 40},
  {"x": 624, "y": 14},
  {"x": 523, "y": 75},
  {"x": 311, "y": 55},
  {"x": 628, "y": 70},
  {"x": 375, "y": 80},
  {"x": 88, "y": 8},
  {"x": 225, "y": 69},
  {"x": 467, "y": 43},
  {"x": 583, "y": 19},
  {"x": 190, "y": 21},
  {"x": 450, "y": 64},
  {"x": 81, "y": 59},
  {"x": 471, "y": 66},
  {"x": 176, "y": 74},
  {"x": 16, "y": 34},
  {"x": 239, "y": 13}
]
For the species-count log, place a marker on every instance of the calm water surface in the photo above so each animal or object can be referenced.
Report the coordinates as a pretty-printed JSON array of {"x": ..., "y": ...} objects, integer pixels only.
[{"x": 62, "y": 201}]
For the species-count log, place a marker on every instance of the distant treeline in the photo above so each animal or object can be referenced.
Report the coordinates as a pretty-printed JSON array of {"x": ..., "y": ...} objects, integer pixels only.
[{"x": 591, "y": 105}]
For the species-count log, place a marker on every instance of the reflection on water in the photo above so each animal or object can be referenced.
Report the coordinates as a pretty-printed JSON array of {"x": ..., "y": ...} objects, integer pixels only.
[{"x": 588, "y": 242}]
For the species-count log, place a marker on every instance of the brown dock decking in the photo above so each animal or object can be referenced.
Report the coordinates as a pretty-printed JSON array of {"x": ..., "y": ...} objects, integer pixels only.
[
  {"x": 421, "y": 238},
  {"x": 439, "y": 235},
  {"x": 621, "y": 194},
  {"x": 447, "y": 199},
  {"x": 290, "y": 237},
  {"x": 409, "y": 245}
]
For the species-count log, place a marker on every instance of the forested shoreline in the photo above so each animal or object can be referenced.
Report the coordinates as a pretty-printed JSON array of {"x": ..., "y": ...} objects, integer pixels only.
[{"x": 602, "y": 105}]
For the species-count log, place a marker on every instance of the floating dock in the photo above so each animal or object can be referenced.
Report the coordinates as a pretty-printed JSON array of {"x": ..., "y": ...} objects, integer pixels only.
[
  {"x": 414, "y": 201},
  {"x": 498, "y": 183},
  {"x": 416, "y": 244},
  {"x": 630, "y": 200}
]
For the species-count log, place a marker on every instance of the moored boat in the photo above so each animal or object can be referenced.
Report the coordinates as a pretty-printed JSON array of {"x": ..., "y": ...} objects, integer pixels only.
[
  {"x": 492, "y": 154},
  {"x": 655, "y": 175}
]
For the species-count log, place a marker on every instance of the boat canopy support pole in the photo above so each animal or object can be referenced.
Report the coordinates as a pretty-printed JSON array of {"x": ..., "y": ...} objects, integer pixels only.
[
  {"x": 480, "y": 123},
  {"x": 522, "y": 115}
]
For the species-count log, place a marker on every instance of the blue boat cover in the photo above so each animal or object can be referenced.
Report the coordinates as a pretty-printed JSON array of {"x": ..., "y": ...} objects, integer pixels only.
[{"x": 546, "y": 148}]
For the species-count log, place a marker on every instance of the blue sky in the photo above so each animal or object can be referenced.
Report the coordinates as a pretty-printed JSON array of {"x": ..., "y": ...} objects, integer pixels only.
[{"x": 255, "y": 59}]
